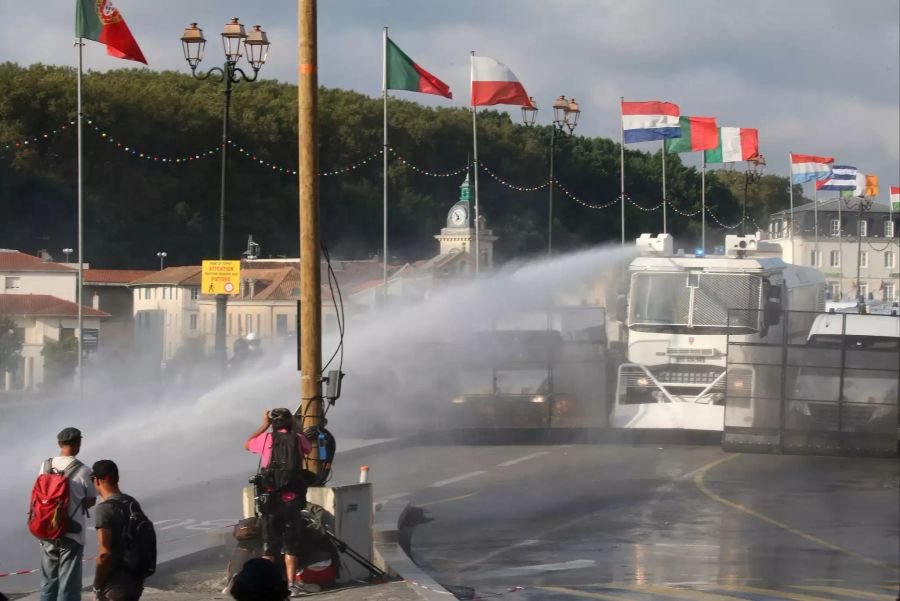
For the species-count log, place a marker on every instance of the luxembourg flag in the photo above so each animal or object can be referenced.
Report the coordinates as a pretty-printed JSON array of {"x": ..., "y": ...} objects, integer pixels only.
[
  {"x": 652, "y": 120},
  {"x": 809, "y": 168},
  {"x": 495, "y": 83}
]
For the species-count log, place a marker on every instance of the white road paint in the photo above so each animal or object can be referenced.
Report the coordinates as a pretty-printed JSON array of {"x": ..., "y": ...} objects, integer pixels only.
[
  {"x": 521, "y": 459},
  {"x": 575, "y": 564},
  {"x": 456, "y": 479},
  {"x": 396, "y": 495}
]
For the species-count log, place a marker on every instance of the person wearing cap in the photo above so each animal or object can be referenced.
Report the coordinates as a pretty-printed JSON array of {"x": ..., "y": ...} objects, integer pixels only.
[
  {"x": 61, "y": 558},
  {"x": 281, "y": 520},
  {"x": 112, "y": 582}
]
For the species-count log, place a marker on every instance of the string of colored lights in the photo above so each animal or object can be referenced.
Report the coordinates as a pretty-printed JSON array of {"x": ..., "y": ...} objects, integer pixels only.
[
  {"x": 38, "y": 138},
  {"x": 512, "y": 186},
  {"x": 418, "y": 169},
  {"x": 249, "y": 155}
]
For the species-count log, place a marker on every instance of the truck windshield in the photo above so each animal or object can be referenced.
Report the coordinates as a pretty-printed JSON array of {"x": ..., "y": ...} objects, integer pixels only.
[{"x": 672, "y": 302}]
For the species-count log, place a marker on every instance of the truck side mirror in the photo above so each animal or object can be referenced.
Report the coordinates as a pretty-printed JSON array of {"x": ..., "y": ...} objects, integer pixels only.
[
  {"x": 621, "y": 308},
  {"x": 773, "y": 306}
]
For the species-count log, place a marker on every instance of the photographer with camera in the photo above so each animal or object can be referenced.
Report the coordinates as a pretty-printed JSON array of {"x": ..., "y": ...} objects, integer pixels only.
[{"x": 280, "y": 486}]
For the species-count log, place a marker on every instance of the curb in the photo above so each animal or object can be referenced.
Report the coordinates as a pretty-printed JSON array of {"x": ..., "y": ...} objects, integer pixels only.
[{"x": 391, "y": 557}]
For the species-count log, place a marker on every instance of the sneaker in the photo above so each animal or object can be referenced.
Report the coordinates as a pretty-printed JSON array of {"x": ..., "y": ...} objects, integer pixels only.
[{"x": 301, "y": 589}]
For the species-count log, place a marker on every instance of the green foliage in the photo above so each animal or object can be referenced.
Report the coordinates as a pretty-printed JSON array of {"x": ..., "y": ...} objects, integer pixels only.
[
  {"x": 60, "y": 359},
  {"x": 10, "y": 344},
  {"x": 135, "y": 207}
]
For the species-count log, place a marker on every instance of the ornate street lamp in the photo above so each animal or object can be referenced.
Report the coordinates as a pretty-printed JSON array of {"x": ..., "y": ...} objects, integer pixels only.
[
  {"x": 755, "y": 167},
  {"x": 162, "y": 258},
  {"x": 67, "y": 252},
  {"x": 235, "y": 42},
  {"x": 565, "y": 115},
  {"x": 529, "y": 112}
]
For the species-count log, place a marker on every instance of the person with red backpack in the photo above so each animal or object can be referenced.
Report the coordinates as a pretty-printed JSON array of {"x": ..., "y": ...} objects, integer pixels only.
[
  {"x": 281, "y": 486},
  {"x": 60, "y": 499}
]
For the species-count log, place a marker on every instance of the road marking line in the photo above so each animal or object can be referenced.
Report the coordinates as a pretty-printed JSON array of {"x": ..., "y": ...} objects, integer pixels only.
[
  {"x": 456, "y": 479},
  {"x": 575, "y": 564},
  {"x": 698, "y": 481},
  {"x": 521, "y": 459},
  {"x": 772, "y": 593},
  {"x": 459, "y": 498},
  {"x": 677, "y": 593},
  {"x": 846, "y": 592},
  {"x": 588, "y": 594},
  {"x": 396, "y": 495}
]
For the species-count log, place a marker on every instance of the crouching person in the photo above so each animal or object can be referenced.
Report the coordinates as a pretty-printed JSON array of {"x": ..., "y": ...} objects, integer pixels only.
[
  {"x": 281, "y": 485},
  {"x": 126, "y": 540}
]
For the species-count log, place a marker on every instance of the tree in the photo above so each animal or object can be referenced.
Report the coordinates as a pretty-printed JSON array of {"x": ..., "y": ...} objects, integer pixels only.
[
  {"x": 60, "y": 359},
  {"x": 10, "y": 345}
]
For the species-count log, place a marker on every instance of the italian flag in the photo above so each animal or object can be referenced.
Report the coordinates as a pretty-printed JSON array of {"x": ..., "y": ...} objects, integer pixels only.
[
  {"x": 735, "y": 144},
  {"x": 895, "y": 198},
  {"x": 404, "y": 74},
  {"x": 102, "y": 22},
  {"x": 697, "y": 133},
  {"x": 495, "y": 83}
]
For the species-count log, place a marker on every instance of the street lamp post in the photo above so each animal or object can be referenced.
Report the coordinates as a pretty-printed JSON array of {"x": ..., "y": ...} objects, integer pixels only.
[
  {"x": 565, "y": 115},
  {"x": 162, "y": 258},
  {"x": 755, "y": 167},
  {"x": 235, "y": 41},
  {"x": 67, "y": 252}
]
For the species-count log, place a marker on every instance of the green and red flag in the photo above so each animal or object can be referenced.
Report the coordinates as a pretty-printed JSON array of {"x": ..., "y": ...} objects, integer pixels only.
[
  {"x": 101, "y": 21},
  {"x": 735, "y": 144},
  {"x": 697, "y": 133},
  {"x": 404, "y": 74}
]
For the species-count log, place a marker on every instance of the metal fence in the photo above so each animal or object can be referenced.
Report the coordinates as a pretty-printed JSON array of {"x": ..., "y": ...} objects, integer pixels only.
[{"x": 824, "y": 383}]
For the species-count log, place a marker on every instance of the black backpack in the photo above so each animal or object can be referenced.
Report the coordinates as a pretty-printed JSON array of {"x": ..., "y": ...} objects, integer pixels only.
[
  {"x": 283, "y": 471},
  {"x": 138, "y": 539}
]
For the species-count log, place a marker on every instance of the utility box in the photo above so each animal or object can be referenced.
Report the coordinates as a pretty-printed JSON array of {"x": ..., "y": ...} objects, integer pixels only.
[{"x": 351, "y": 507}]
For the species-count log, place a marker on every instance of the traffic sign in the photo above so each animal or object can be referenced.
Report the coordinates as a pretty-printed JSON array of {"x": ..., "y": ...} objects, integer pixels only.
[{"x": 221, "y": 277}]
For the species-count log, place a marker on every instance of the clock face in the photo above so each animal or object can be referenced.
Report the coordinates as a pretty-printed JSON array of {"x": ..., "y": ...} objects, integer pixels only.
[{"x": 458, "y": 216}]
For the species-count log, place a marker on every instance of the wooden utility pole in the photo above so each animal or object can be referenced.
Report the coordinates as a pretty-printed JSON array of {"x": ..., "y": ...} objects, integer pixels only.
[{"x": 310, "y": 335}]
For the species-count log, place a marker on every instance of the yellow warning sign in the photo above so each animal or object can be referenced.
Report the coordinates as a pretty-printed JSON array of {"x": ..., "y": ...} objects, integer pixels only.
[{"x": 221, "y": 277}]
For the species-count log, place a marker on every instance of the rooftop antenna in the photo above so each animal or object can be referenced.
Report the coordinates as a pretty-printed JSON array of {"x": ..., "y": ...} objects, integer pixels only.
[{"x": 253, "y": 249}]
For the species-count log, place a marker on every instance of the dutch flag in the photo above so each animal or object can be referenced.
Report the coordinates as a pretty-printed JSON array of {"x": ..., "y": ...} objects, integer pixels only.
[{"x": 646, "y": 121}]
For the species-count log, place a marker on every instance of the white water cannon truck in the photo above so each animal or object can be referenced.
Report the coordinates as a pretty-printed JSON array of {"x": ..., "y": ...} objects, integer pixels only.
[{"x": 680, "y": 311}]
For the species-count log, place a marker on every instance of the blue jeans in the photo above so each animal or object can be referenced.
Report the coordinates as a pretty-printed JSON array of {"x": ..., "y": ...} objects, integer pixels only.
[{"x": 61, "y": 570}]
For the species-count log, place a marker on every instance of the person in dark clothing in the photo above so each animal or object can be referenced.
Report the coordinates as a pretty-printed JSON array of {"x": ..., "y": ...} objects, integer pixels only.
[
  {"x": 112, "y": 582},
  {"x": 259, "y": 580},
  {"x": 281, "y": 452}
]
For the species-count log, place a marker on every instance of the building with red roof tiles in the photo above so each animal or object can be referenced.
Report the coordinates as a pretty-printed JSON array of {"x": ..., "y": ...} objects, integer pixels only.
[
  {"x": 42, "y": 319},
  {"x": 21, "y": 273}
]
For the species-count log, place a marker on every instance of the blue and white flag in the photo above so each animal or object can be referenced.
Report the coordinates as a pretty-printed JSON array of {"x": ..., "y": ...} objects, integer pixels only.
[{"x": 843, "y": 177}]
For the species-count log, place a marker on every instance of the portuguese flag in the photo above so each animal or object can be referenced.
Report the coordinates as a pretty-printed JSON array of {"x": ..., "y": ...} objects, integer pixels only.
[
  {"x": 697, "y": 133},
  {"x": 404, "y": 74},
  {"x": 102, "y": 22}
]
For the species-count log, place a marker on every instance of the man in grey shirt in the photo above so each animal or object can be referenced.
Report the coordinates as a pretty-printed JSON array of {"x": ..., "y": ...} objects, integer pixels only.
[{"x": 61, "y": 558}]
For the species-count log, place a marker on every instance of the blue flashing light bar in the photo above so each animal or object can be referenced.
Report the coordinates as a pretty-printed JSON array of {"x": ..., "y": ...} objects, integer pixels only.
[{"x": 699, "y": 252}]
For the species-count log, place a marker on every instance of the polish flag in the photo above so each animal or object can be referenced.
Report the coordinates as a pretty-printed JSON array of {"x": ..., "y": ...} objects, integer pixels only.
[{"x": 494, "y": 83}]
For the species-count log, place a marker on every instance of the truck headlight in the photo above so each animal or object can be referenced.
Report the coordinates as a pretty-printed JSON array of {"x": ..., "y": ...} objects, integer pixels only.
[
  {"x": 643, "y": 381},
  {"x": 538, "y": 398},
  {"x": 459, "y": 399}
]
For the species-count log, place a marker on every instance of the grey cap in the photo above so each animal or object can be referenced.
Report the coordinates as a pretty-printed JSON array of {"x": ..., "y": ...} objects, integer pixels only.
[{"x": 69, "y": 435}]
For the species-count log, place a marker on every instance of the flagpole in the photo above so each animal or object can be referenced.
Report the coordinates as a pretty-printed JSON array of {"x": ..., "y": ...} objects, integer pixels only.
[
  {"x": 79, "y": 292},
  {"x": 475, "y": 155},
  {"x": 816, "y": 221},
  {"x": 840, "y": 201},
  {"x": 622, "y": 168},
  {"x": 791, "y": 194},
  {"x": 703, "y": 202},
  {"x": 384, "y": 157},
  {"x": 664, "y": 183}
]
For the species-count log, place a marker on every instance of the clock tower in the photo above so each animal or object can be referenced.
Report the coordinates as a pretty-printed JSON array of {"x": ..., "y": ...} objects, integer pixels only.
[{"x": 459, "y": 234}]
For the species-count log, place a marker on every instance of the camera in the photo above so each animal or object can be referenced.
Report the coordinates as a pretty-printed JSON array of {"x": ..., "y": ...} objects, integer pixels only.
[{"x": 255, "y": 479}]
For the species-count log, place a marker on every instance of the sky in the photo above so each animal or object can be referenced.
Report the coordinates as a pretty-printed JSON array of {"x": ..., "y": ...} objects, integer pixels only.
[{"x": 814, "y": 76}]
